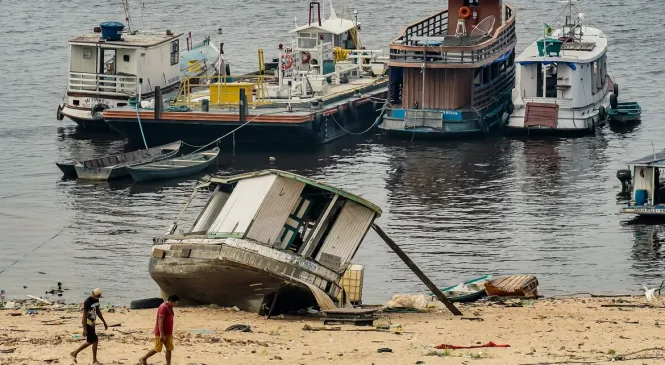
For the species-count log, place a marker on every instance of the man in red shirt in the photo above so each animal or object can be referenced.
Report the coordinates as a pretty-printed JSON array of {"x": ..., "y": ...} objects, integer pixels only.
[{"x": 163, "y": 330}]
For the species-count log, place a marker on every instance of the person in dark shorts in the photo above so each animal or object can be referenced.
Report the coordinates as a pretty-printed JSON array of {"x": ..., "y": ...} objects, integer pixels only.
[
  {"x": 90, "y": 313},
  {"x": 163, "y": 330}
]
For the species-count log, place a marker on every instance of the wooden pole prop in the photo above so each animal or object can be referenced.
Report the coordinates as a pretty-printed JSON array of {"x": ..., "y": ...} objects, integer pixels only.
[{"x": 402, "y": 255}]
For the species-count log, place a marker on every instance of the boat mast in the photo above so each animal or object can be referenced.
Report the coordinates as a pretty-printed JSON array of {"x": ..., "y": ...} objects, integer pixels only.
[{"x": 125, "y": 5}]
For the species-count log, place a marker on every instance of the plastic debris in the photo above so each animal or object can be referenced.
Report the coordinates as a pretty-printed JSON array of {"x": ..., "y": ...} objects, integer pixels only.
[
  {"x": 10, "y": 305},
  {"x": 419, "y": 302},
  {"x": 649, "y": 293}
]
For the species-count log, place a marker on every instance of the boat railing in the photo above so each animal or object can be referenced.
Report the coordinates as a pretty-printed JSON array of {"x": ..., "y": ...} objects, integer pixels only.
[
  {"x": 409, "y": 50},
  {"x": 101, "y": 83},
  {"x": 486, "y": 94}
]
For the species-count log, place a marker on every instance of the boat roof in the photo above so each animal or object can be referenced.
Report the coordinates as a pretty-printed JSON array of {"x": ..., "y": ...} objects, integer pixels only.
[
  {"x": 290, "y": 175},
  {"x": 135, "y": 39},
  {"x": 653, "y": 160},
  {"x": 333, "y": 24},
  {"x": 585, "y": 53}
]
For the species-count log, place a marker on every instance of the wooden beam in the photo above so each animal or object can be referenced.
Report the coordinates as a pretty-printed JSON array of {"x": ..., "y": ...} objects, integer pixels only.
[{"x": 402, "y": 255}]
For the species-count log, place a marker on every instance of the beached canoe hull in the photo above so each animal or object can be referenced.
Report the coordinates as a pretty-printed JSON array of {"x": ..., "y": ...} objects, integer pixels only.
[{"x": 470, "y": 297}]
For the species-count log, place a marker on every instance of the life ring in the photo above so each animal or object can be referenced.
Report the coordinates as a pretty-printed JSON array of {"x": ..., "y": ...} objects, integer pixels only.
[
  {"x": 97, "y": 111},
  {"x": 464, "y": 12},
  {"x": 307, "y": 57},
  {"x": 287, "y": 61}
]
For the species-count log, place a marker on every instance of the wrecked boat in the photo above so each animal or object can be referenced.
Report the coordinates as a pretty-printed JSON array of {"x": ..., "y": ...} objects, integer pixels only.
[{"x": 267, "y": 242}]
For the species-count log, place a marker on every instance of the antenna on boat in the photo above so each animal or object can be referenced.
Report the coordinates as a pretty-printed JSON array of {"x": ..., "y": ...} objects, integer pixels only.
[
  {"x": 654, "y": 151},
  {"x": 128, "y": 18}
]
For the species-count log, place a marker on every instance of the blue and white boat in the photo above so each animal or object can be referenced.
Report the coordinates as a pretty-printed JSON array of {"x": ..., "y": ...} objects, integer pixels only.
[
  {"x": 647, "y": 192},
  {"x": 452, "y": 74}
]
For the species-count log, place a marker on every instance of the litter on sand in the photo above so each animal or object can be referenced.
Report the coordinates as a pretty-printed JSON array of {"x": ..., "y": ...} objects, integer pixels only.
[{"x": 453, "y": 347}]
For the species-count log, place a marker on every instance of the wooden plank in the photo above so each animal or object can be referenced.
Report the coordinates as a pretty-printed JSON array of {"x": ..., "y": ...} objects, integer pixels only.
[{"x": 430, "y": 285}]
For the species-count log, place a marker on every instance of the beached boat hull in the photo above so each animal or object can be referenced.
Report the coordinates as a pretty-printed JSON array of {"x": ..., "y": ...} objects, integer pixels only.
[
  {"x": 245, "y": 275},
  {"x": 514, "y": 285},
  {"x": 221, "y": 282},
  {"x": 317, "y": 126}
]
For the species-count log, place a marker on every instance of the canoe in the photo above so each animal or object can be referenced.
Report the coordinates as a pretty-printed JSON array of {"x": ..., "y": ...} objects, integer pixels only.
[
  {"x": 467, "y": 292},
  {"x": 116, "y": 166},
  {"x": 175, "y": 167},
  {"x": 513, "y": 286},
  {"x": 625, "y": 112}
]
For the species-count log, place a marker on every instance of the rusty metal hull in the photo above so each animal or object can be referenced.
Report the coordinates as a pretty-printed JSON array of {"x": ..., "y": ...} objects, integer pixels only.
[{"x": 215, "y": 281}]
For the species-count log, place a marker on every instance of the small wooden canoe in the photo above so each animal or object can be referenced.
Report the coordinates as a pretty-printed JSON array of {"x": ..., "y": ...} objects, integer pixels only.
[
  {"x": 625, "y": 112},
  {"x": 68, "y": 169},
  {"x": 513, "y": 286},
  {"x": 476, "y": 290},
  {"x": 175, "y": 167},
  {"x": 116, "y": 166}
]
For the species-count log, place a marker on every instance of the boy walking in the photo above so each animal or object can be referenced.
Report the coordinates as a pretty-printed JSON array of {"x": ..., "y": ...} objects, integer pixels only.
[
  {"x": 163, "y": 330},
  {"x": 90, "y": 313}
]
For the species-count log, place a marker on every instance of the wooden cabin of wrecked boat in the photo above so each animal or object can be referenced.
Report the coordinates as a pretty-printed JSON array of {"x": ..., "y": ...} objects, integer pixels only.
[
  {"x": 452, "y": 73},
  {"x": 264, "y": 241}
]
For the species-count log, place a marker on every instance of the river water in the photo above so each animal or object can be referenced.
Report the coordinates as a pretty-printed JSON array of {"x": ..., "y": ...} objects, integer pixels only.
[{"x": 460, "y": 209}]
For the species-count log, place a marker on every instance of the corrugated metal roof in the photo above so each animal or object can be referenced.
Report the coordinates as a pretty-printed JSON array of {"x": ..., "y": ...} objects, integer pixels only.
[
  {"x": 233, "y": 179},
  {"x": 275, "y": 209},
  {"x": 346, "y": 235}
]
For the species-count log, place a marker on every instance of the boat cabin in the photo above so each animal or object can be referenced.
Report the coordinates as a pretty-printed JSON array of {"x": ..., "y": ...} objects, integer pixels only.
[
  {"x": 567, "y": 66},
  {"x": 324, "y": 53},
  {"x": 453, "y": 68},
  {"x": 121, "y": 63},
  {"x": 648, "y": 190}
]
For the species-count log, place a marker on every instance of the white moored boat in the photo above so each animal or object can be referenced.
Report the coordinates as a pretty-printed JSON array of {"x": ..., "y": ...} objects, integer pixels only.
[{"x": 562, "y": 81}]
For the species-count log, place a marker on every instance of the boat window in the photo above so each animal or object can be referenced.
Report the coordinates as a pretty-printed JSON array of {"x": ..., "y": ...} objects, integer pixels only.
[
  {"x": 308, "y": 43},
  {"x": 108, "y": 62},
  {"x": 175, "y": 52}
]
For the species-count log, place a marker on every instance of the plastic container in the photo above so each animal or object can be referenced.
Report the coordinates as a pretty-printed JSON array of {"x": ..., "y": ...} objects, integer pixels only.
[
  {"x": 112, "y": 31},
  {"x": 553, "y": 47},
  {"x": 641, "y": 197},
  {"x": 352, "y": 282}
]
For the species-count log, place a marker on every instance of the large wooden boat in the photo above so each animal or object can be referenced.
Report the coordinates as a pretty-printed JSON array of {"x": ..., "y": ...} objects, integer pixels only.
[
  {"x": 451, "y": 74},
  {"x": 268, "y": 239}
]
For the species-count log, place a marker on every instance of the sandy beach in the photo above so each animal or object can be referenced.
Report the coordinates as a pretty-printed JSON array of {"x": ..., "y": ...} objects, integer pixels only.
[{"x": 547, "y": 331}]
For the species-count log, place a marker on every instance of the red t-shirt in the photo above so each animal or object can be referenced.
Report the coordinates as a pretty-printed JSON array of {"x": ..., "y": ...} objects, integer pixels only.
[{"x": 166, "y": 312}]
